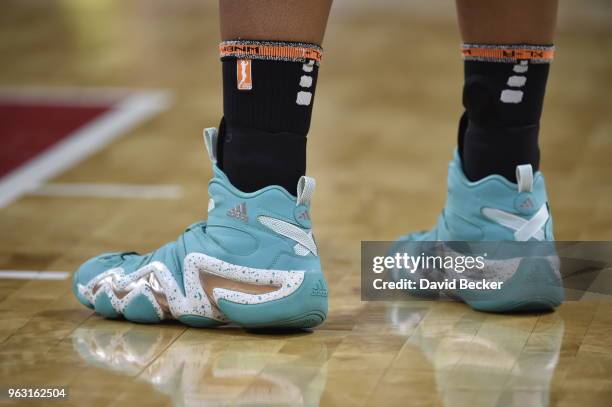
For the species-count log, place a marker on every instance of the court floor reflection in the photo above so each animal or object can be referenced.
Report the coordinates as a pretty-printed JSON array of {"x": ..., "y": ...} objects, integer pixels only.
[
  {"x": 211, "y": 368},
  {"x": 483, "y": 359}
]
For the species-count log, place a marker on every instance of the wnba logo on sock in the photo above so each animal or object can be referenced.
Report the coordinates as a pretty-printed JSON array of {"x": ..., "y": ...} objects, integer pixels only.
[{"x": 244, "y": 79}]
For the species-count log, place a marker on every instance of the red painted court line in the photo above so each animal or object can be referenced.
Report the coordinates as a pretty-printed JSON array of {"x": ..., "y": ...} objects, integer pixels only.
[{"x": 26, "y": 130}]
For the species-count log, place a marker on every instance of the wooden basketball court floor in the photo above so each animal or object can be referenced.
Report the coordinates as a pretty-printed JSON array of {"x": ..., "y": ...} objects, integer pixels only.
[{"x": 384, "y": 128}]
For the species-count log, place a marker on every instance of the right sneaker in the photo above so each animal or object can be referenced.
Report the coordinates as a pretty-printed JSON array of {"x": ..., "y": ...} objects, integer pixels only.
[
  {"x": 254, "y": 263},
  {"x": 493, "y": 209}
]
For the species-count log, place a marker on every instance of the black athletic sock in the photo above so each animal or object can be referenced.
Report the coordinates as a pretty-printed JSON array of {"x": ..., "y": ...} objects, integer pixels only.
[
  {"x": 268, "y": 92},
  {"x": 503, "y": 96}
]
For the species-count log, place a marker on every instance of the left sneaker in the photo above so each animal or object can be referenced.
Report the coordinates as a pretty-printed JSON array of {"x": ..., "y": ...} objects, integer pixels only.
[
  {"x": 254, "y": 263},
  {"x": 495, "y": 209}
]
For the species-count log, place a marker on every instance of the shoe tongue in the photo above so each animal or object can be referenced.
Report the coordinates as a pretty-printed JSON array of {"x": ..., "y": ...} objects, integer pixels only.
[
  {"x": 210, "y": 141},
  {"x": 524, "y": 178}
]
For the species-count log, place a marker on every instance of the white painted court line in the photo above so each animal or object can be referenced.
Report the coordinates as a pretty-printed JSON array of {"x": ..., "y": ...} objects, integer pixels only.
[
  {"x": 124, "y": 115},
  {"x": 33, "y": 275},
  {"x": 109, "y": 191},
  {"x": 64, "y": 95}
]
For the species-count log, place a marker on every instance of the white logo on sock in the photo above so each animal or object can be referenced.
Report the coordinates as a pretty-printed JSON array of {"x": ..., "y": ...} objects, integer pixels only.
[
  {"x": 303, "y": 97},
  {"x": 515, "y": 81}
]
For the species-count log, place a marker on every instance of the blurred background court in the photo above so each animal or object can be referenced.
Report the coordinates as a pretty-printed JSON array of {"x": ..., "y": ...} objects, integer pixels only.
[{"x": 102, "y": 104}]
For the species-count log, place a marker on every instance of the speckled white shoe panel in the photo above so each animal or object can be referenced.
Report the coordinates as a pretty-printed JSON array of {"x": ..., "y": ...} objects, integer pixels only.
[
  {"x": 122, "y": 288},
  {"x": 498, "y": 270},
  {"x": 157, "y": 284},
  {"x": 287, "y": 281}
]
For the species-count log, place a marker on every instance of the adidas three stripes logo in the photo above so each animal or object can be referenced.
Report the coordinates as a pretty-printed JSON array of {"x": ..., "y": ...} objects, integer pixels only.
[{"x": 239, "y": 212}]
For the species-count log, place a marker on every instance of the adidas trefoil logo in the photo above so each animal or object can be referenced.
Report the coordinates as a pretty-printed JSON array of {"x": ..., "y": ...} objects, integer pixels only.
[
  {"x": 304, "y": 216},
  {"x": 239, "y": 212}
]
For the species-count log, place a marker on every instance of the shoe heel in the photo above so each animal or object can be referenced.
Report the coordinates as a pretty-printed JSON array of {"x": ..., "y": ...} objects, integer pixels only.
[
  {"x": 304, "y": 308},
  {"x": 535, "y": 286}
]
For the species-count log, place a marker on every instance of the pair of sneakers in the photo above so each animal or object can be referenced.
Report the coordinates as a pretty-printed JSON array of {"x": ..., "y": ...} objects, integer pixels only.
[{"x": 255, "y": 262}]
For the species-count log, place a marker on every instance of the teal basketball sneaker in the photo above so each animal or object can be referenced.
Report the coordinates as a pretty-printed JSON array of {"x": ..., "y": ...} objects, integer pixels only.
[
  {"x": 254, "y": 263},
  {"x": 524, "y": 264}
]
